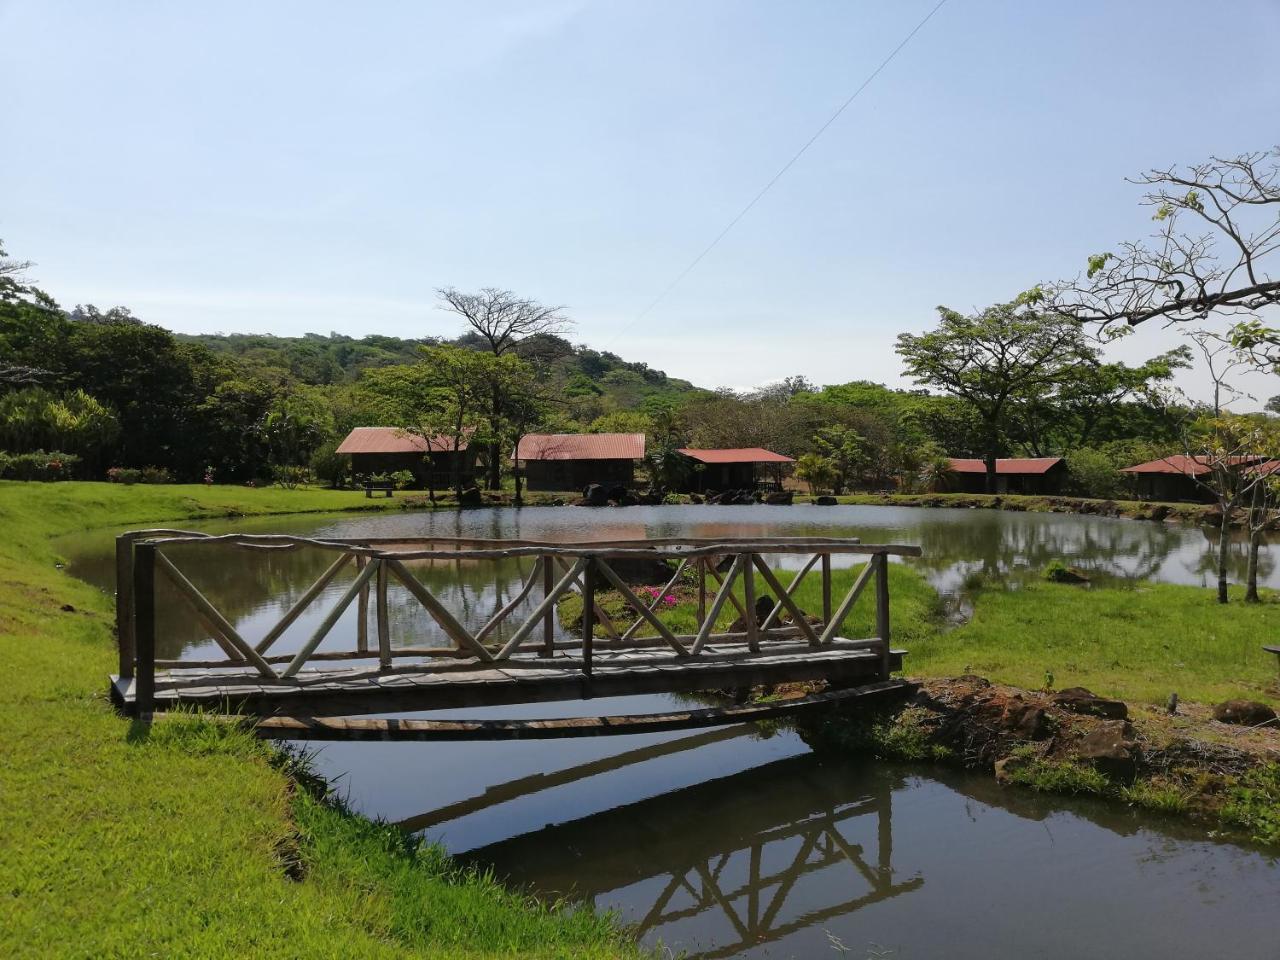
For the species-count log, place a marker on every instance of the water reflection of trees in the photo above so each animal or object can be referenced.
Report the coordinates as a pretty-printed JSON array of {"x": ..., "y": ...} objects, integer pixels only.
[{"x": 726, "y": 855}]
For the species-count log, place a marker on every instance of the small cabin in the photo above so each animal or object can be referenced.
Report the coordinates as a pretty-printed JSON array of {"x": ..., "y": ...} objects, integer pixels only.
[
  {"x": 1026, "y": 475},
  {"x": 432, "y": 461},
  {"x": 741, "y": 468},
  {"x": 1179, "y": 477},
  {"x": 573, "y": 461}
]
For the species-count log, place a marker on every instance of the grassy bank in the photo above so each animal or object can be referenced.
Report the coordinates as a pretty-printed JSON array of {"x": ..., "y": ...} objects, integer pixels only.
[
  {"x": 184, "y": 843},
  {"x": 1018, "y": 503}
]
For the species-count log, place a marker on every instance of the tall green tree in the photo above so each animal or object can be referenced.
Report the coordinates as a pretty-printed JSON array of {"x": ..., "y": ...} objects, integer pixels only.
[{"x": 1008, "y": 353}]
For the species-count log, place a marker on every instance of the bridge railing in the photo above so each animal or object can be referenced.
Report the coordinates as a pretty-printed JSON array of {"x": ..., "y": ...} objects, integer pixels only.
[{"x": 716, "y": 576}]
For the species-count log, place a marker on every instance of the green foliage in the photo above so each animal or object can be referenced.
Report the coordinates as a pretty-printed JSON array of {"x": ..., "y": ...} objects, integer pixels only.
[
  {"x": 403, "y": 479},
  {"x": 815, "y": 470},
  {"x": 1157, "y": 796},
  {"x": 1254, "y": 804},
  {"x": 39, "y": 465},
  {"x": 327, "y": 465},
  {"x": 1057, "y": 776}
]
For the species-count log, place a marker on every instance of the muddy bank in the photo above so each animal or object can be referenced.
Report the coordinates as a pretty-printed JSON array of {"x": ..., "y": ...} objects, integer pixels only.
[{"x": 1225, "y": 775}]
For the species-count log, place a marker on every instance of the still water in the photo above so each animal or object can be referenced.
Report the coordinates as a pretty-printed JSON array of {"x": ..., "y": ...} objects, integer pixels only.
[{"x": 742, "y": 842}]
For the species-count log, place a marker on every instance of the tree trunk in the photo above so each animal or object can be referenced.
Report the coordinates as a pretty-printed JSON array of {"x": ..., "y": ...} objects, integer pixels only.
[
  {"x": 1224, "y": 549},
  {"x": 991, "y": 471},
  {"x": 1251, "y": 588}
]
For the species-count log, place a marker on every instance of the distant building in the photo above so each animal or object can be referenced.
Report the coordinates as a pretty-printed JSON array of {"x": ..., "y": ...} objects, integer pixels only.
[
  {"x": 742, "y": 468},
  {"x": 389, "y": 449},
  {"x": 571, "y": 461},
  {"x": 1035, "y": 475},
  {"x": 1175, "y": 477}
]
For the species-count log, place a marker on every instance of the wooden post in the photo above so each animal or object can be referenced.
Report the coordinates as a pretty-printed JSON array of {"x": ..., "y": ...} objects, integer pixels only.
[
  {"x": 882, "y": 611},
  {"x": 588, "y": 613},
  {"x": 124, "y": 604},
  {"x": 384, "y": 621},
  {"x": 826, "y": 588},
  {"x": 749, "y": 595},
  {"x": 702, "y": 590},
  {"x": 549, "y": 620},
  {"x": 144, "y": 625},
  {"x": 362, "y": 609}
]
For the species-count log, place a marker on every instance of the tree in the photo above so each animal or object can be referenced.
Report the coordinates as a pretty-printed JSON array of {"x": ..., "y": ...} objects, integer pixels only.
[
  {"x": 502, "y": 321},
  {"x": 815, "y": 470},
  {"x": 1006, "y": 354},
  {"x": 295, "y": 425},
  {"x": 1215, "y": 252},
  {"x": 1230, "y": 448},
  {"x": 1221, "y": 359},
  {"x": 846, "y": 451},
  {"x": 36, "y": 419}
]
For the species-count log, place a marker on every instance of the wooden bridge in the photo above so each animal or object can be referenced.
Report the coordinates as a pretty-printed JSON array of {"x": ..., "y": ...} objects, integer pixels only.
[{"x": 520, "y": 653}]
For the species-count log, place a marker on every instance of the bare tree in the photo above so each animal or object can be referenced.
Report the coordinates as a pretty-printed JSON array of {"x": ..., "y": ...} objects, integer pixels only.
[
  {"x": 502, "y": 318},
  {"x": 503, "y": 321},
  {"x": 1221, "y": 359},
  {"x": 1264, "y": 497},
  {"x": 1213, "y": 253}
]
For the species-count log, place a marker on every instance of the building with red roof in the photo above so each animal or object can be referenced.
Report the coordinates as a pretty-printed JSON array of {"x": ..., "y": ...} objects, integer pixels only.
[
  {"x": 1179, "y": 476},
  {"x": 1034, "y": 475},
  {"x": 573, "y": 461},
  {"x": 385, "y": 450},
  {"x": 736, "y": 468}
]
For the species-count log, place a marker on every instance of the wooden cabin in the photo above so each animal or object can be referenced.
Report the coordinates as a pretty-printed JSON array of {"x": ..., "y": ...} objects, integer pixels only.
[
  {"x": 572, "y": 461},
  {"x": 1026, "y": 475},
  {"x": 1174, "y": 478},
  {"x": 431, "y": 460},
  {"x": 742, "y": 468}
]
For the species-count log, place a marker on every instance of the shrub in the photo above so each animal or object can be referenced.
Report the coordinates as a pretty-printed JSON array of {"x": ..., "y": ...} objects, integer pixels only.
[
  {"x": 1094, "y": 474},
  {"x": 156, "y": 475},
  {"x": 126, "y": 475},
  {"x": 328, "y": 465},
  {"x": 403, "y": 479},
  {"x": 47, "y": 467}
]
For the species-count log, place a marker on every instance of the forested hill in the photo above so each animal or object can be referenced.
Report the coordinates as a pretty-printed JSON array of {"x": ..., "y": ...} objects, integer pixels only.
[{"x": 323, "y": 360}]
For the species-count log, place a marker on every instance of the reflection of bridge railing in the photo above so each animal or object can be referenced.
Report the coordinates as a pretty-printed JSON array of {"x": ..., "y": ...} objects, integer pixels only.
[
  {"x": 644, "y": 654},
  {"x": 734, "y": 849}
]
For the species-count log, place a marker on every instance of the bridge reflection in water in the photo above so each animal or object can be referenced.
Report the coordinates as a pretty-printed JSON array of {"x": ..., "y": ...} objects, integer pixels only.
[{"x": 717, "y": 868}]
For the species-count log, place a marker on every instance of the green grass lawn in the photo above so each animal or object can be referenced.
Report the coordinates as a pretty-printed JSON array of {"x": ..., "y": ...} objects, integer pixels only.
[
  {"x": 1139, "y": 642},
  {"x": 116, "y": 844}
]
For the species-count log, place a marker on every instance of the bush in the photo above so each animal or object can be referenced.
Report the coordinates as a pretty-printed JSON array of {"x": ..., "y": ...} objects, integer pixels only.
[
  {"x": 125, "y": 475},
  {"x": 42, "y": 466},
  {"x": 328, "y": 465},
  {"x": 156, "y": 475},
  {"x": 1094, "y": 474},
  {"x": 404, "y": 479}
]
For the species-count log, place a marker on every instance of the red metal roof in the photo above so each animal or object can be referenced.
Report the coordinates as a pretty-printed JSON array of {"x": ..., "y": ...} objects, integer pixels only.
[
  {"x": 735, "y": 455},
  {"x": 581, "y": 446},
  {"x": 1006, "y": 465},
  {"x": 1179, "y": 463},
  {"x": 393, "y": 440}
]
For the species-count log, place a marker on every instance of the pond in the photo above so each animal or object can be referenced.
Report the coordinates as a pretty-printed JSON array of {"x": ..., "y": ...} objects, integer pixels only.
[{"x": 740, "y": 841}]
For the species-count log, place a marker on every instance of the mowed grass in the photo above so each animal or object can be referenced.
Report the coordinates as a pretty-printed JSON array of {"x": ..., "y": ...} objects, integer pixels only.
[
  {"x": 114, "y": 843},
  {"x": 1139, "y": 642}
]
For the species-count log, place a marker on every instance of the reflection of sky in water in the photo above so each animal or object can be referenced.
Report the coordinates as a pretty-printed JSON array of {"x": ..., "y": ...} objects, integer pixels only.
[{"x": 726, "y": 842}]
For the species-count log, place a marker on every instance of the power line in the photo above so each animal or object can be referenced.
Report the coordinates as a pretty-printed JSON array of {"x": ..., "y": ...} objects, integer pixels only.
[{"x": 787, "y": 166}]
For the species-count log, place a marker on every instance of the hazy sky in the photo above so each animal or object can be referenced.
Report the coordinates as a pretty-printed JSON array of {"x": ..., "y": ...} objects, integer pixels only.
[{"x": 287, "y": 168}]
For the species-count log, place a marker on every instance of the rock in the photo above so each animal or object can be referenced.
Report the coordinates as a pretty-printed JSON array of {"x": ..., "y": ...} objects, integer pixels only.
[
  {"x": 1079, "y": 700},
  {"x": 695, "y": 498},
  {"x": 1002, "y": 769},
  {"x": 1159, "y": 512},
  {"x": 1246, "y": 713},
  {"x": 825, "y": 501},
  {"x": 648, "y": 572},
  {"x": 780, "y": 498},
  {"x": 594, "y": 495},
  {"x": 1027, "y": 720},
  {"x": 470, "y": 497},
  {"x": 764, "y": 607},
  {"x": 68, "y": 608},
  {"x": 1060, "y": 573},
  {"x": 1110, "y": 747}
]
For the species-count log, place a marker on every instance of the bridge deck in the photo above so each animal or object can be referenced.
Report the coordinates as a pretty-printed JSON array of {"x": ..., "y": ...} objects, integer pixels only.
[{"x": 468, "y": 683}]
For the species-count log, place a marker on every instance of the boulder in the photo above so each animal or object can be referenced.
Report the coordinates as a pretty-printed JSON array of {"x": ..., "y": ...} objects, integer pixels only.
[
  {"x": 637, "y": 571},
  {"x": 780, "y": 498},
  {"x": 594, "y": 495},
  {"x": 764, "y": 607},
  {"x": 695, "y": 498},
  {"x": 1246, "y": 713},
  {"x": 1110, "y": 747},
  {"x": 470, "y": 497},
  {"x": 825, "y": 501},
  {"x": 1026, "y": 720},
  {"x": 1082, "y": 701}
]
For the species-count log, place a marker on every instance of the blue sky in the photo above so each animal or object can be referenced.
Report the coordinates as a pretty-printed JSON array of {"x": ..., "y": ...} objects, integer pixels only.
[{"x": 303, "y": 167}]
